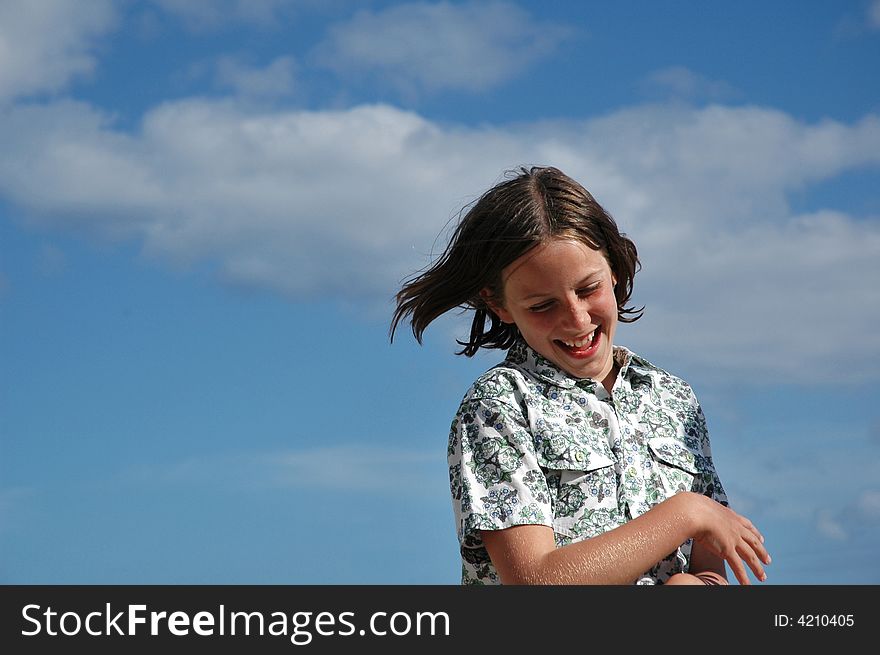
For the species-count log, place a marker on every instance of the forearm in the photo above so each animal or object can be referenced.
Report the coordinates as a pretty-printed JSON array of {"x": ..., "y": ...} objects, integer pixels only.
[
  {"x": 527, "y": 554},
  {"x": 621, "y": 555},
  {"x": 618, "y": 556}
]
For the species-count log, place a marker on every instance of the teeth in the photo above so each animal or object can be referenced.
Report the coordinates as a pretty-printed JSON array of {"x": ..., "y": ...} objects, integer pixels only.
[{"x": 580, "y": 343}]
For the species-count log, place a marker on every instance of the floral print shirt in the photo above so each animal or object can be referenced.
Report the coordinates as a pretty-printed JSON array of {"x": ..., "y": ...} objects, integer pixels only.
[{"x": 532, "y": 445}]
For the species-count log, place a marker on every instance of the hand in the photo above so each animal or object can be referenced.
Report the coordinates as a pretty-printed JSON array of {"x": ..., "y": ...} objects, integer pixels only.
[{"x": 727, "y": 535}]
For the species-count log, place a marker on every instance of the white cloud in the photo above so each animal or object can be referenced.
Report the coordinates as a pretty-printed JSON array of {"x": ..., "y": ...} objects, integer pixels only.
[
  {"x": 417, "y": 46},
  {"x": 349, "y": 202},
  {"x": 682, "y": 83},
  {"x": 106, "y": 181},
  {"x": 46, "y": 44},
  {"x": 210, "y": 14},
  {"x": 777, "y": 300},
  {"x": 273, "y": 81},
  {"x": 302, "y": 202}
]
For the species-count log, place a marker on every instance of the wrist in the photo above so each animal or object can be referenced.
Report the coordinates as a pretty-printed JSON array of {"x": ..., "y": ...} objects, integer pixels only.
[{"x": 686, "y": 505}]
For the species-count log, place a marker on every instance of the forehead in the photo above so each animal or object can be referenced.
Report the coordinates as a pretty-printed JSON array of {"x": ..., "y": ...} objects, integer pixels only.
[{"x": 558, "y": 263}]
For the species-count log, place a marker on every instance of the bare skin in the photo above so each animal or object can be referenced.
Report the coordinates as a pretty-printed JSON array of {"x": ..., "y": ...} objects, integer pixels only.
[{"x": 527, "y": 554}]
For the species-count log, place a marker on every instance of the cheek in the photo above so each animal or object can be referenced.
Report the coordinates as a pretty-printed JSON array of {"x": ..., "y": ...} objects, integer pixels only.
[
  {"x": 535, "y": 323},
  {"x": 609, "y": 308}
]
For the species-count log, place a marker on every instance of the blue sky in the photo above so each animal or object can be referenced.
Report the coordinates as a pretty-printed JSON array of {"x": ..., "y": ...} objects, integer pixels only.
[{"x": 207, "y": 206}]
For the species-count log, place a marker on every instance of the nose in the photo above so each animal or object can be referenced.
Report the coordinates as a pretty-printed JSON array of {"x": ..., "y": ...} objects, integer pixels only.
[{"x": 577, "y": 314}]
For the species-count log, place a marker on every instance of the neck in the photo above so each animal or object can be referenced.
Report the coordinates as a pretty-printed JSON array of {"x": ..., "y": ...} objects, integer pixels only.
[{"x": 611, "y": 378}]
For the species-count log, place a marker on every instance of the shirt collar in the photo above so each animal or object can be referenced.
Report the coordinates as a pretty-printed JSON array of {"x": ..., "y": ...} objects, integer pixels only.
[{"x": 528, "y": 359}]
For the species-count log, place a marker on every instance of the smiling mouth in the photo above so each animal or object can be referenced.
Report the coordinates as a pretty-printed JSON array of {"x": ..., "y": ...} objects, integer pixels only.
[{"x": 581, "y": 344}]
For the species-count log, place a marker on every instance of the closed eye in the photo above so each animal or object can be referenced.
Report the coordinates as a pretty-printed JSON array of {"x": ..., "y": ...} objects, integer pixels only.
[
  {"x": 543, "y": 307},
  {"x": 583, "y": 292}
]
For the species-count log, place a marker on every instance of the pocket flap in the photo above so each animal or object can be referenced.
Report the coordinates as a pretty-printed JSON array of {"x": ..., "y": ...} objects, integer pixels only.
[
  {"x": 567, "y": 452},
  {"x": 675, "y": 453}
]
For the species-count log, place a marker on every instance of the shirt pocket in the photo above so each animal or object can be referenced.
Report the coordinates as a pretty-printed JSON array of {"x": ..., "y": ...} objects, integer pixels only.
[
  {"x": 581, "y": 479},
  {"x": 676, "y": 465}
]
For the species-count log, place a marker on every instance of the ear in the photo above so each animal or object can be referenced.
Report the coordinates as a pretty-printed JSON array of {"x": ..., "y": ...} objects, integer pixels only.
[{"x": 499, "y": 311}]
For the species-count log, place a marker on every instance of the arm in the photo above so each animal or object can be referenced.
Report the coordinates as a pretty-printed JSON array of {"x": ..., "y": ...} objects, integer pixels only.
[{"x": 527, "y": 554}]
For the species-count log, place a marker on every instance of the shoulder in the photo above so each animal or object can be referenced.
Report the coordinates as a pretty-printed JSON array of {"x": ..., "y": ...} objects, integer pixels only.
[
  {"x": 660, "y": 378},
  {"x": 497, "y": 397},
  {"x": 501, "y": 383}
]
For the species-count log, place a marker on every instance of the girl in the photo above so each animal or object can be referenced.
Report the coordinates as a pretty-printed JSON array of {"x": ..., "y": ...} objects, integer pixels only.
[{"x": 574, "y": 461}]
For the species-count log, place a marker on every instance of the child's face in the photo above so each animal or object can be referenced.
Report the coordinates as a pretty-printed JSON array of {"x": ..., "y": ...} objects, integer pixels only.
[{"x": 561, "y": 297}]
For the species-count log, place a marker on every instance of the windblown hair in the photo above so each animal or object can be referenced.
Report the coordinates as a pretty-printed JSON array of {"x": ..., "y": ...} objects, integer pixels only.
[{"x": 511, "y": 218}]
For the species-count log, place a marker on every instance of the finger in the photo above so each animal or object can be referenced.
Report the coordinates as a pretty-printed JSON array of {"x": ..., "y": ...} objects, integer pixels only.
[
  {"x": 739, "y": 570},
  {"x": 750, "y": 557},
  {"x": 759, "y": 548},
  {"x": 762, "y": 553},
  {"x": 751, "y": 528}
]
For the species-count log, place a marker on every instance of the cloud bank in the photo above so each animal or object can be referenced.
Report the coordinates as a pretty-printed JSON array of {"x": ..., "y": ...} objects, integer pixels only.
[{"x": 349, "y": 202}]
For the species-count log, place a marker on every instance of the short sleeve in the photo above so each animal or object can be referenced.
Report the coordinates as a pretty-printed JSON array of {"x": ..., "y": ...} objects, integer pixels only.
[{"x": 494, "y": 475}]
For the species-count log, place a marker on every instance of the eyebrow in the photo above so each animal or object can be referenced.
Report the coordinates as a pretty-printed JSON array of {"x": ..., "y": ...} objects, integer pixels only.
[{"x": 580, "y": 284}]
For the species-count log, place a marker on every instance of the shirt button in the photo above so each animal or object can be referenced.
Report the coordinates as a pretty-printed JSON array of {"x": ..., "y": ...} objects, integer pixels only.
[{"x": 579, "y": 457}]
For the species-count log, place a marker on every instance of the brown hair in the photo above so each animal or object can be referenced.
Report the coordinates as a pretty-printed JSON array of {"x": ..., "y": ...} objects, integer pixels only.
[{"x": 507, "y": 221}]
